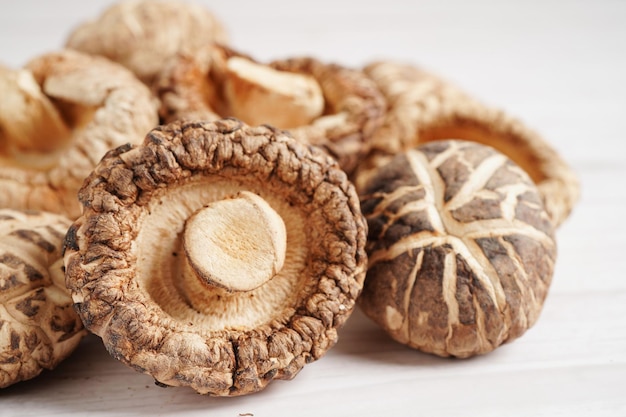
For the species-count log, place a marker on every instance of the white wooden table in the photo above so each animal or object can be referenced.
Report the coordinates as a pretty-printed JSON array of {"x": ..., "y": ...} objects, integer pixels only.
[{"x": 558, "y": 65}]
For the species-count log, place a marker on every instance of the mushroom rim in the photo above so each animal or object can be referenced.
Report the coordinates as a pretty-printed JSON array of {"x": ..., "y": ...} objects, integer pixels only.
[{"x": 102, "y": 315}]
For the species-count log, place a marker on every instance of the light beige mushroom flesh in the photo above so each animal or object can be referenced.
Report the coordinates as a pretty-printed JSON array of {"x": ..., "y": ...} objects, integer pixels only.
[
  {"x": 38, "y": 325},
  {"x": 216, "y": 255},
  {"x": 27, "y": 116},
  {"x": 424, "y": 108},
  {"x": 327, "y": 105},
  {"x": 259, "y": 94},
  {"x": 58, "y": 116},
  {"x": 461, "y": 250},
  {"x": 143, "y": 34},
  {"x": 238, "y": 243}
]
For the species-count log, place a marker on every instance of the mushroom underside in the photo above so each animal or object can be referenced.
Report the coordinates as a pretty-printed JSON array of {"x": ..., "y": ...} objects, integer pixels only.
[
  {"x": 215, "y": 334},
  {"x": 159, "y": 268}
]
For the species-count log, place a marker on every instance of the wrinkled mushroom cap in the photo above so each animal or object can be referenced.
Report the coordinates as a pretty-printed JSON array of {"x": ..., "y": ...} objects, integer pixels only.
[
  {"x": 424, "y": 108},
  {"x": 220, "y": 82},
  {"x": 96, "y": 105},
  {"x": 38, "y": 325},
  {"x": 461, "y": 250},
  {"x": 127, "y": 263},
  {"x": 142, "y": 34}
]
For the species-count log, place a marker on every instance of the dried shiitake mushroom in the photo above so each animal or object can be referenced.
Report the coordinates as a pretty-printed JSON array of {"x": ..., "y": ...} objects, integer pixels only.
[
  {"x": 424, "y": 108},
  {"x": 461, "y": 250},
  {"x": 216, "y": 255},
  {"x": 38, "y": 325},
  {"x": 58, "y": 116},
  {"x": 321, "y": 104},
  {"x": 142, "y": 34}
]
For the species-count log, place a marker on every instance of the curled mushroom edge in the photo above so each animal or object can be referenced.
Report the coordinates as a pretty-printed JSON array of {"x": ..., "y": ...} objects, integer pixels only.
[{"x": 152, "y": 269}]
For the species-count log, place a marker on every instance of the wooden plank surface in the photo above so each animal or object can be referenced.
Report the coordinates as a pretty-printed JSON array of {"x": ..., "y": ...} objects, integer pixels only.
[{"x": 558, "y": 65}]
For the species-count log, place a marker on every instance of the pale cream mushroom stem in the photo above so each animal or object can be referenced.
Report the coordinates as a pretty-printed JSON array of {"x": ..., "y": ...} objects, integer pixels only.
[
  {"x": 236, "y": 244},
  {"x": 29, "y": 121},
  {"x": 259, "y": 94}
]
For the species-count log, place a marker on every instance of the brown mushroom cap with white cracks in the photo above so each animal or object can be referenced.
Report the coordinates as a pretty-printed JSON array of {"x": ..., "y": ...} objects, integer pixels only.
[
  {"x": 424, "y": 108},
  {"x": 322, "y": 104},
  {"x": 38, "y": 325},
  {"x": 142, "y": 34},
  {"x": 461, "y": 250},
  {"x": 217, "y": 255},
  {"x": 58, "y": 116}
]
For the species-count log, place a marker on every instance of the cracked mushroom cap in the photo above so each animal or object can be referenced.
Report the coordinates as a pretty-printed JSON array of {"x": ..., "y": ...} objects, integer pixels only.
[
  {"x": 38, "y": 325},
  {"x": 327, "y": 105},
  {"x": 58, "y": 116},
  {"x": 216, "y": 255},
  {"x": 424, "y": 108},
  {"x": 461, "y": 250},
  {"x": 142, "y": 34}
]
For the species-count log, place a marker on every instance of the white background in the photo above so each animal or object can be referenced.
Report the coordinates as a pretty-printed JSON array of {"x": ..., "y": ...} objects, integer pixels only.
[{"x": 560, "y": 66}]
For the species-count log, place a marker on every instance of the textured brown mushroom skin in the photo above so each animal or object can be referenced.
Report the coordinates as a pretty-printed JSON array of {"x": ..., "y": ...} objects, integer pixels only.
[
  {"x": 424, "y": 108},
  {"x": 461, "y": 250},
  {"x": 142, "y": 35},
  {"x": 100, "y": 255},
  {"x": 105, "y": 107},
  {"x": 38, "y": 325},
  {"x": 354, "y": 107}
]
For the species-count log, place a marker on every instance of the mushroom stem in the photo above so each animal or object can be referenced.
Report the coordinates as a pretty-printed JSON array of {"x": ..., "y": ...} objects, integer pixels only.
[
  {"x": 236, "y": 244},
  {"x": 259, "y": 94},
  {"x": 29, "y": 122}
]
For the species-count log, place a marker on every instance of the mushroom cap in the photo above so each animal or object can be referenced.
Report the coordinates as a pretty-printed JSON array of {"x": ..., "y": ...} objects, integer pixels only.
[
  {"x": 142, "y": 34},
  {"x": 424, "y": 108},
  {"x": 104, "y": 106},
  {"x": 38, "y": 325},
  {"x": 461, "y": 250},
  {"x": 353, "y": 108},
  {"x": 123, "y": 256}
]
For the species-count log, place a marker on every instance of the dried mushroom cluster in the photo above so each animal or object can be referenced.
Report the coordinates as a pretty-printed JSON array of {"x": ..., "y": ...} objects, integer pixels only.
[{"x": 217, "y": 239}]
